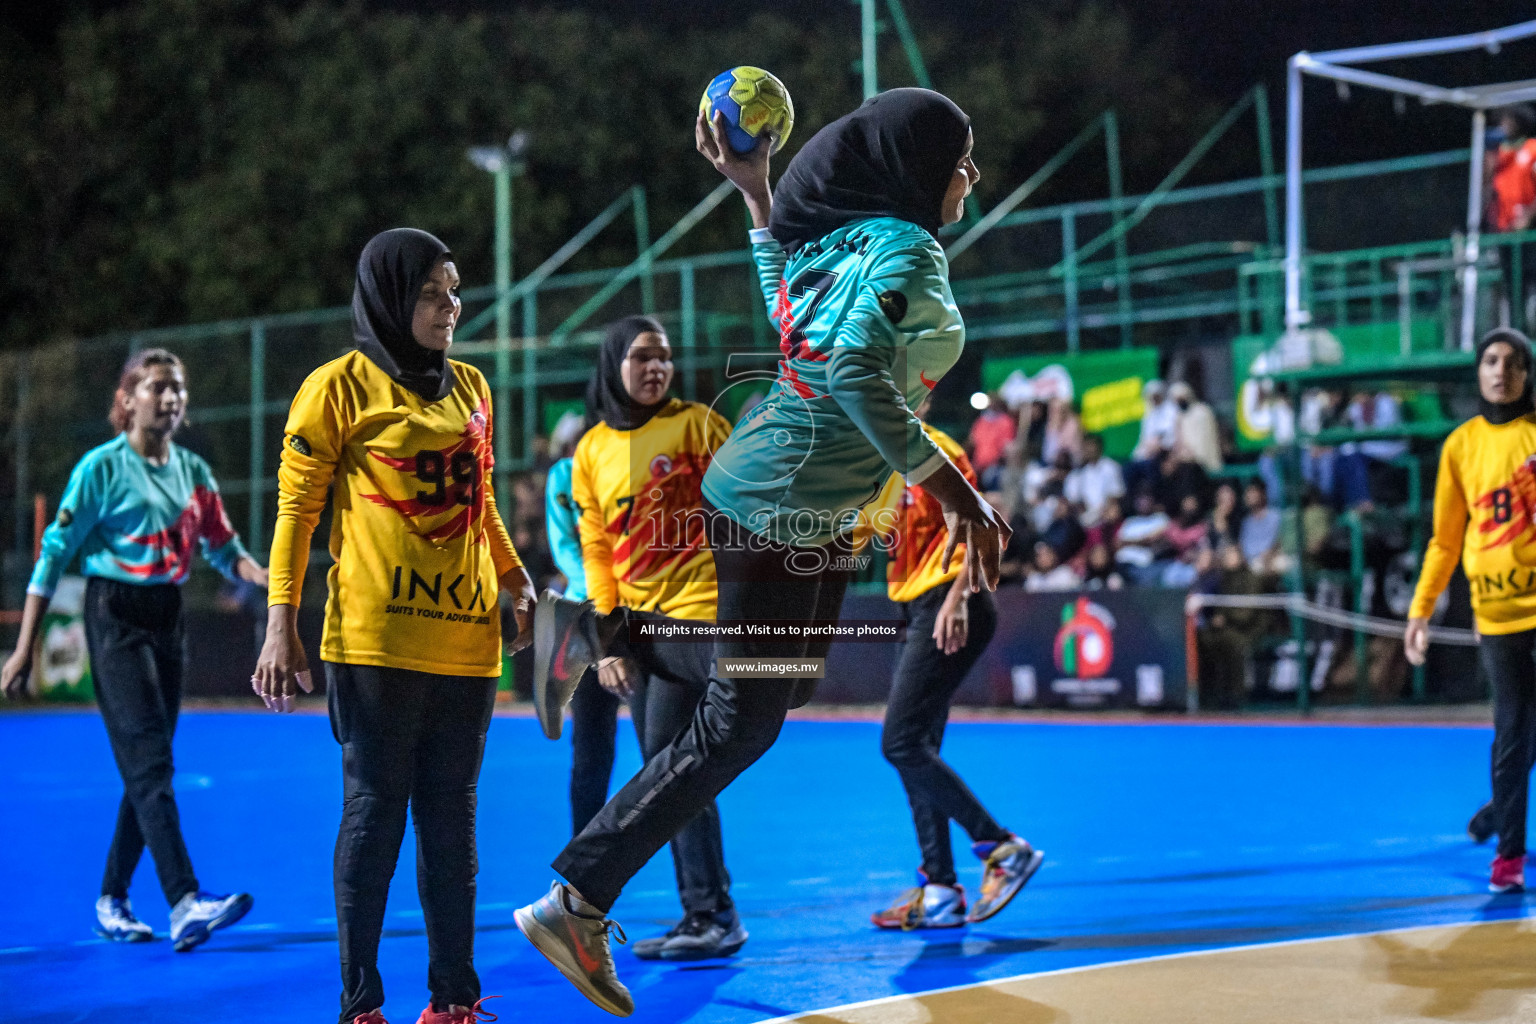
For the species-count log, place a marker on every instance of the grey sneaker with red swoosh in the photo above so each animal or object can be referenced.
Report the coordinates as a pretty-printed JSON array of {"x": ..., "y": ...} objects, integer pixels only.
[{"x": 577, "y": 944}]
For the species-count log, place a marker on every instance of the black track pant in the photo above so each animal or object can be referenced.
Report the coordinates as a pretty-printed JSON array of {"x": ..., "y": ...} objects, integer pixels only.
[
  {"x": 136, "y": 641},
  {"x": 734, "y": 724},
  {"x": 674, "y": 678},
  {"x": 1509, "y": 662},
  {"x": 594, "y": 731},
  {"x": 915, "y": 716},
  {"x": 407, "y": 739}
]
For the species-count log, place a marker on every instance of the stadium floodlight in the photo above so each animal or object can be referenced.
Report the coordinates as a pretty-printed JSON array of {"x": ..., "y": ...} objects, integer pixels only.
[
  {"x": 504, "y": 162},
  {"x": 1339, "y": 65}
]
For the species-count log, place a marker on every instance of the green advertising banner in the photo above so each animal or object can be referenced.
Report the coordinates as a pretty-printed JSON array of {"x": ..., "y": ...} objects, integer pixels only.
[{"x": 1106, "y": 388}]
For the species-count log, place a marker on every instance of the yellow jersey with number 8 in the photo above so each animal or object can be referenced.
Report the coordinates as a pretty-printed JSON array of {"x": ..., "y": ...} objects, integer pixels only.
[{"x": 1485, "y": 515}]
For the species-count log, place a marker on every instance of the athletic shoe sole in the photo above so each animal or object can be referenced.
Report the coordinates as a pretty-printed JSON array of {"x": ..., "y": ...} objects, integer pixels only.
[
  {"x": 1500, "y": 890},
  {"x": 547, "y": 697},
  {"x": 558, "y": 954},
  {"x": 1035, "y": 860},
  {"x": 926, "y": 926},
  {"x": 197, "y": 934},
  {"x": 685, "y": 954},
  {"x": 124, "y": 936}
]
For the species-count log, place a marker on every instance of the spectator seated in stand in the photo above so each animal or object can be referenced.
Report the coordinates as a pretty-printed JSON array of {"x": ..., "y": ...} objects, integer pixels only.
[
  {"x": 1141, "y": 542},
  {"x": 1181, "y": 479},
  {"x": 1361, "y": 465},
  {"x": 1091, "y": 485},
  {"x": 1227, "y": 636},
  {"x": 1049, "y": 572},
  {"x": 1063, "y": 433},
  {"x": 1057, "y": 524},
  {"x": 1199, "y": 439},
  {"x": 1159, "y": 435},
  {"x": 989, "y": 440},
  {"x": 1259, "y": 536},
  {"x": 1186, "y": 539},
  {"x": 1226, "y": 518},
  {"x": 1100, "y": 572}
]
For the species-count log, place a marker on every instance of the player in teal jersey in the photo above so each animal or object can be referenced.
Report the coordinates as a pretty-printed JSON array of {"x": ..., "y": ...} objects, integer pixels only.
[
  {"x": 857, "y": 284},
  {"x": 136, "y": 510}
]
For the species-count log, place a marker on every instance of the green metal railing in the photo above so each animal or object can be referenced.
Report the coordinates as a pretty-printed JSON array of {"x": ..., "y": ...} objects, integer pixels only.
[{"x": 1012, "y": 301}]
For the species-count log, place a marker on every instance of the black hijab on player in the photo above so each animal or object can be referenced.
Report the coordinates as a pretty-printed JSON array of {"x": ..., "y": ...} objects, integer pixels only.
[
  {"x": 1507, "y": 411},
  {"x": 390, "y": 273},
  {"x": 606, "y": 394},
  {"x": 892, "y": 157}
]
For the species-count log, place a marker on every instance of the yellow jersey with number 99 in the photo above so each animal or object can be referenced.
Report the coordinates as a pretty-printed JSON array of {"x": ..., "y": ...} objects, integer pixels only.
[{"x": 415, "y": 534}]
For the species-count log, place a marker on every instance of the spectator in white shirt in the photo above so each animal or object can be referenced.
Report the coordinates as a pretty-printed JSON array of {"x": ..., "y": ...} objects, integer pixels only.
[
  {"x": 1159, "y": 433},
  {"x": 1141, "y": 540},
  {"x": 1159, "y": 422},
  {"x": 1090, "y": 486}
]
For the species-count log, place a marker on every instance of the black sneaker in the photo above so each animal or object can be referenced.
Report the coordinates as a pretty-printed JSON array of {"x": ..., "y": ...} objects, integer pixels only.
[
  {"x": 650, "y": 949},
  {"x": 1481, "y": 828},
  {"x": 704, "y": 936}
]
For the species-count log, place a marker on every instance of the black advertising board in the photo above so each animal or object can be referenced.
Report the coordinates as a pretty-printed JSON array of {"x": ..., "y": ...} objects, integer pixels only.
[{"x": 1096, "y": 649}]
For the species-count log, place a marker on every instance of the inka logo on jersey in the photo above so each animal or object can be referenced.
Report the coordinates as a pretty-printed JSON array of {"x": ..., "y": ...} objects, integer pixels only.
[{"x": 418, "y": 592}]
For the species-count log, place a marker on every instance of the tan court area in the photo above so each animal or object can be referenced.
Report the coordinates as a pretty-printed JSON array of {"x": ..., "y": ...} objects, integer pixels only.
[{"x": 1484, "y": 972}]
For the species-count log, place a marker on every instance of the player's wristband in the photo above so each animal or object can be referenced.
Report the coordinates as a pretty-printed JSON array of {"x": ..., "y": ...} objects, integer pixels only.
[{"x": 758, "y": 235}]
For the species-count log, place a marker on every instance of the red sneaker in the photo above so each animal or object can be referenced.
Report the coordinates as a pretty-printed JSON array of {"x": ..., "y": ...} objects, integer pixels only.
[
  {"x": 371, "y": 1017},
  {"x": 1508, "y": 874},
  {"x": 457, "y": 1014}
]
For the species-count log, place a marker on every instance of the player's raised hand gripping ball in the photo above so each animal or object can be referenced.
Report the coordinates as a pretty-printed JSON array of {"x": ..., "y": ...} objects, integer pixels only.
[{"x": 754, "y": 103}]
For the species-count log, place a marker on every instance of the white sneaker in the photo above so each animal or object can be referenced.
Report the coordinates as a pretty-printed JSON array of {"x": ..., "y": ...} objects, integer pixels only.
[
  {"x": 197, "y": 915},
  {"x": 927, "y": 906},
  {"x": 115, "y": 921}
]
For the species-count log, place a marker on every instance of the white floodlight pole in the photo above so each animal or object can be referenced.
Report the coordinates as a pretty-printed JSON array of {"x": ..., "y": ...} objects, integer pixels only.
[
  {"x": 1295, "y": 316},
  {"x": 1472, "y": 252}
]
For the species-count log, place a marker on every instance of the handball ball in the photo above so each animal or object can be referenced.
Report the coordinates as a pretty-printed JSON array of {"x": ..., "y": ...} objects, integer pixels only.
[{"x": 754, "y": 103}]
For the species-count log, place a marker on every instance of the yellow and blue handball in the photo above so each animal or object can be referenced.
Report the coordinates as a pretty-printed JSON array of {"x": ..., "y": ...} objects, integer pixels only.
[{"x": 754, "y": 103}]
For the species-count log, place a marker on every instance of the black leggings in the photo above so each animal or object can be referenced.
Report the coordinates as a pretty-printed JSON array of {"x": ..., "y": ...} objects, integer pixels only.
[
  {"x": 735, "y": 723},
  {"x": 136, "y": 640},
  {"x": 1509, "y": 661},
  {"x": 673, "y": 678},
  {"x": 915, "y": 717},
  {"x": 407, "y": 739}
]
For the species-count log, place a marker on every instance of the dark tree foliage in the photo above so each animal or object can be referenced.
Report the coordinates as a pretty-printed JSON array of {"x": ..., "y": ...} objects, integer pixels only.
[{"x": 173, "y": 161}]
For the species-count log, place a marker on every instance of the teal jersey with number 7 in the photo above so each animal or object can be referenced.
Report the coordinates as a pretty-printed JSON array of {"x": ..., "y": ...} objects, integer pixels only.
[{"x": 867, "y": 326}]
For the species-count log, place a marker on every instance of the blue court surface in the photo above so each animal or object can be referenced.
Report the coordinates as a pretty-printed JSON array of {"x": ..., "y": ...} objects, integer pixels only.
[{"x": 1160, "y": 838}]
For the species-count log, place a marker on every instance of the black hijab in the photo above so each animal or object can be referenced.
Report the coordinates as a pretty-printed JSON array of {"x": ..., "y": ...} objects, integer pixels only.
[
  {"x": 892, "y": 157},
  {"x": 606, "y": 395},
  {"x": 1507, "y": 411},
  {"x": 390, "y": 273}
]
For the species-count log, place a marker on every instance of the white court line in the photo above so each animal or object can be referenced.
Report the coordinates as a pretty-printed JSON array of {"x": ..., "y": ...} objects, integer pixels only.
[{"x": 1118, "y": 963}]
